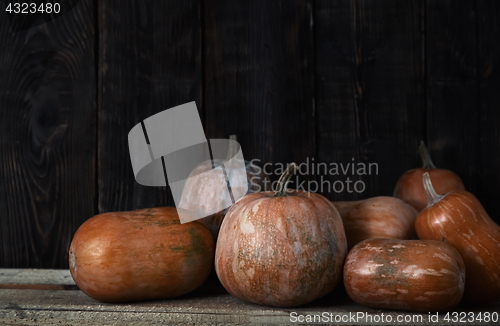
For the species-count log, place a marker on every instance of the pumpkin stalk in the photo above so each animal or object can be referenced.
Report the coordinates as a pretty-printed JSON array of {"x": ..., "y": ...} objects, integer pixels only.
[
  {"x": 429, "y": 189},
  {"x": 426, "y": 157},
  {"x": 281, "y": 188}
]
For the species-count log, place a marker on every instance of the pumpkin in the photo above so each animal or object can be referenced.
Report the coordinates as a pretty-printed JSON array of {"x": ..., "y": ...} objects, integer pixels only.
[
  {"x": 144, "y": 254},
  {"x": 460, "y": 219},
  {"x": 412, "y": 275},
  {"x": 209, "y": 182},
  {"x": 281, "y": 249},
  {"x": 409, "y": 187},
  {"x": 377, "y": 217}
]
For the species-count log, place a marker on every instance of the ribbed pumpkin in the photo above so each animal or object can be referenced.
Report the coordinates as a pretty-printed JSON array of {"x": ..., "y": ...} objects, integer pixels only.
[
  {"x": 144, "y": 254},
  {"x": 281, "y": 249}
]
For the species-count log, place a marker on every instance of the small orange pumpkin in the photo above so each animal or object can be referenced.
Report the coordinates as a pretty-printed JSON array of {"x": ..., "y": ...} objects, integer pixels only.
[
  {"x": 412, "y": 275},
  {"x": 377, "y": 217},
  {"x": 410, "y": 189}
]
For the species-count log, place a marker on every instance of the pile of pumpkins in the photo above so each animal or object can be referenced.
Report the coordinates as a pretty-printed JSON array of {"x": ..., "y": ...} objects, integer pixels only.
[{"x": 286, "y": 248}]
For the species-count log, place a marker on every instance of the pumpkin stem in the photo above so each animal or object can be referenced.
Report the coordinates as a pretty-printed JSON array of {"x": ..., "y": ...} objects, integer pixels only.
[
  {"x": 426, "y": 157},
  {"x": 283, "y": 181},
  {"x": 429, "y": 189}
]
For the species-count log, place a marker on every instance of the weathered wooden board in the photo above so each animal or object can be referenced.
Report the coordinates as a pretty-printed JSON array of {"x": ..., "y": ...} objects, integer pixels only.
[
  {"x": 488, "y": 172},
  {"x": 259, "y": 78},
  {"x": 36, "y": 279},
  {"x": 369, "y": 90},
  {"x": 47, "y": 137},
  {"x": 150, "y": 60},
  {"x": 208, "y": 305},
  {"x": 452, "y": 89},
  {"x": 334, "y": 81}
]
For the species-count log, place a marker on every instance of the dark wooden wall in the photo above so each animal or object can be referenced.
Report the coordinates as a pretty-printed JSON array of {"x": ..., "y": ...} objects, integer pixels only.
[{"x": 329, "y": 80}]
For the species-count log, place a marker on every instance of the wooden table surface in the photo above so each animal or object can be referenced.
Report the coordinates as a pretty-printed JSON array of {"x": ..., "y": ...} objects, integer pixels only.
[{"x": 50, "y": 297}]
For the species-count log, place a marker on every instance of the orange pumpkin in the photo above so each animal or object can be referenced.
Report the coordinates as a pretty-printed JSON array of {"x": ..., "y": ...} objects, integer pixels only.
[
  {"x": 140, "y": 255},
  {"x": 410, "y": 189},
  {"x": 460, "y": 219},
  {"x": 412, "y": 275},
  {"x": 281, "y": 249},
  {"x": 377, "y": 217}
]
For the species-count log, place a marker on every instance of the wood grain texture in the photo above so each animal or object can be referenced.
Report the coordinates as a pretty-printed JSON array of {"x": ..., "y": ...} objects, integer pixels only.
[
  {"x": 150, "y": 61},
  {"x": 36, "y": 276},
  {"x": 259, "y": 78},
  {"x": 370, "y": 89},
  {"x": 488, "y": 175},
  {"x": 47, "y": 132},
  {"x": 452, "y": 88},
  {"x": 208, "y": 304},
  {"x": 329, "y": 80}
]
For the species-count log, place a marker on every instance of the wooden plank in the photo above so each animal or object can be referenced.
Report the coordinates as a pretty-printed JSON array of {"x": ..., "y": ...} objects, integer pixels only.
[
  {"x": 488, "y": 176},
  {"x": 150, "y": 60},
  {"x": 36, "y": 279},
  {"x": 259, "y": 78},
  {"x": 336, "y": 89},
  {"x": 47, "y": 128},
  {"x": 207, "y": 305},
  {"x": 35, "y": 276},
  {"x": 370, "y": 90},
  {"x": 452, "y": 88}
]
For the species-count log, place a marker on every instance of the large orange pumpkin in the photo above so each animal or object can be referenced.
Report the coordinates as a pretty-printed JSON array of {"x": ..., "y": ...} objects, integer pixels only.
[
  {"x": 460, "y": 219},
  {"x": 140, "y": 255},
  {"x": 281, "y": 249}
]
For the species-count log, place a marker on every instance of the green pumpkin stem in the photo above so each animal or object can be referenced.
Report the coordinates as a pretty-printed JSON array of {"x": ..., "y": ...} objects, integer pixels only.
[
  {"x": 283, "y": 181},
  {"x": 429, "y": 189},
  {"x": 426, "y": 157}
]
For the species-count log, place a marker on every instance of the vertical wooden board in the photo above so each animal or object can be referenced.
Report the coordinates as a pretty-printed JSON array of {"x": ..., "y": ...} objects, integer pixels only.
[
  {"x": 337, "y": 90},
  {"x": 370, "y": 90},
  {"x": 259, "y": 79},
  {"x": 47, "y": 132},
  {"x": 150, "y": 61},
  {"x": 488, "y": 177},
  {"x": 452, "y": 88}
]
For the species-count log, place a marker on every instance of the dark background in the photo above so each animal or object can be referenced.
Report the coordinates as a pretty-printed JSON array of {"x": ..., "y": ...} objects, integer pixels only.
[{"x": 329, "y": 80}]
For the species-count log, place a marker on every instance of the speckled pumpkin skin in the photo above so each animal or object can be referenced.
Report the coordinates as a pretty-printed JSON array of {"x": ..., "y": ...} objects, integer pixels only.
[
  {"x": 377, "y": 217},
  {"x": 410, "y": 187},
  {"x": 461, "y": 219},
  {"x": 411, "y": 275},
  {"x": 283, "y": 251},
  {"x": 140, "y": 255}
]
